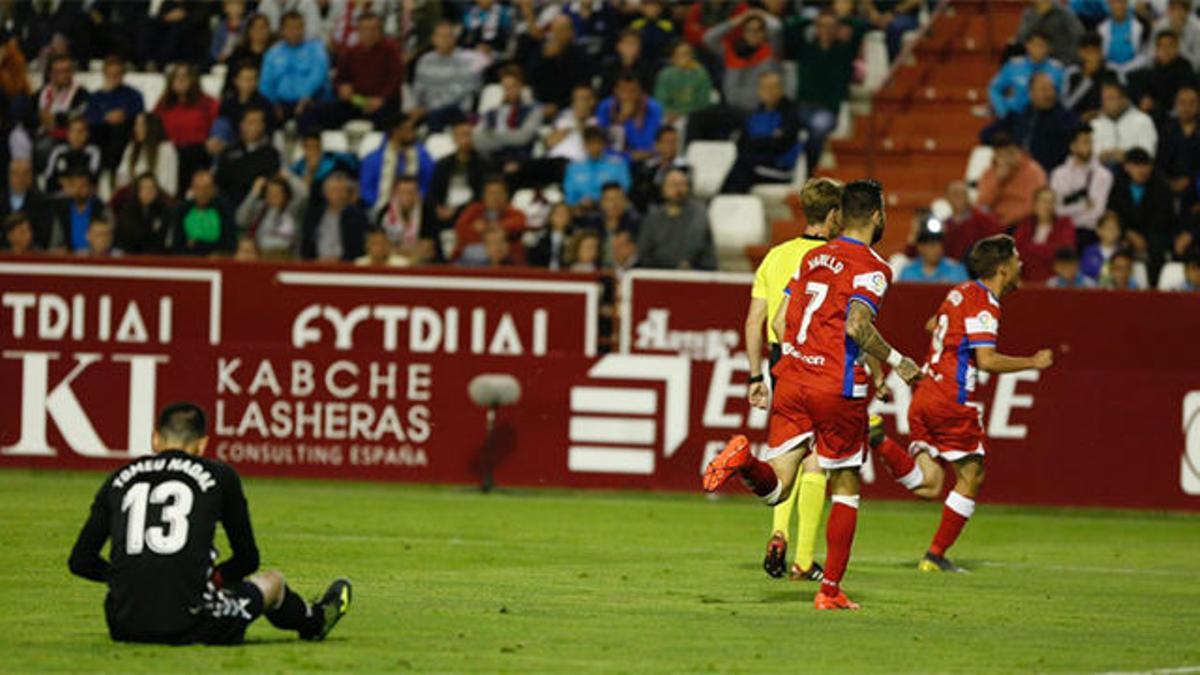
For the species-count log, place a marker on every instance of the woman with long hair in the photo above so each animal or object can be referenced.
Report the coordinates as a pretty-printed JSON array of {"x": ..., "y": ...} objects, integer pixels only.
[
  {"x": 149, "y": 151},
  {"x": 272, "y": 214},
  {"x": 253, "y": 45},
  {"x": 142, "y": 222},
  {"x": 1040, "y": 235},
  {"x": 187, "y": 115}
]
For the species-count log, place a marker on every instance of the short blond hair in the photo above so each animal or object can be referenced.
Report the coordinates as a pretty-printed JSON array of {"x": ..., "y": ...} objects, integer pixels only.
[{"x": 818, "y": 197}]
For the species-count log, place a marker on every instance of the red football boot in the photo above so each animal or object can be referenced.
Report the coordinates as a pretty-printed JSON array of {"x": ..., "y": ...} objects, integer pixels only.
[
  {"x": 839, "y": 601},
  {"x": 726, "y": 464}
]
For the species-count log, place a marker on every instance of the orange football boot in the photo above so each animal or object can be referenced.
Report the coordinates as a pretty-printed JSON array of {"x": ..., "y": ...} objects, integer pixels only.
[
  {"x": 839, "y": 601},
  {"x": 726, "y": 464}
]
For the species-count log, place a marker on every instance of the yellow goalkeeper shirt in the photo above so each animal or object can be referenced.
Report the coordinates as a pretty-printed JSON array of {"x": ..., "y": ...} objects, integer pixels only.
[{"x": 776, "y": 270}]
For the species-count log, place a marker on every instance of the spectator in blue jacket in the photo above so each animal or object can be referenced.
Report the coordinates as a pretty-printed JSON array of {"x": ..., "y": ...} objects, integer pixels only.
[
  {"x": 768, "y": 147},
  {"x": 586, "y": 178},
  {"x": 632, "y": 117},
  {"x": 294, "y": 72},
  {"x": 1009, "y": 90},
  {"x": 1123, "y": 38},
  {"x": 111, "y": 111},
  {"x": 932, "y": 266},
  {"x": 398, "y": 155},
  {"x": 487, "y": 26}
]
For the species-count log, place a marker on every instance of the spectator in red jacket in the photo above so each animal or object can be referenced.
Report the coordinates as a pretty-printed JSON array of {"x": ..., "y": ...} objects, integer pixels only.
[
  {"x": 1040, "y": 236},
  {"x": 493, "y": 210},
  {"x": 187, "y": 115},
  {"x": 368, "y": 81}
]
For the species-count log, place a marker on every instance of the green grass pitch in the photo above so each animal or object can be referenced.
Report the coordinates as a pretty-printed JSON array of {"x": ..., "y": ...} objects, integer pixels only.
[{"x": 450, "y": 580}]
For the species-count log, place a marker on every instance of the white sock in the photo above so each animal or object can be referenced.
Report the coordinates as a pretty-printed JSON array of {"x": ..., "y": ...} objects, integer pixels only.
[
  {"x": 963, "y": 506},
  {"x": 913, "y": 479},
  {"x": 846, "y": 500}
]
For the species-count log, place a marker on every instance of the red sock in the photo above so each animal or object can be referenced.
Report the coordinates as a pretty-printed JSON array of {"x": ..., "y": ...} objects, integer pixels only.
[
  {"x": 759, "y": 477},
  {"x": 955, "y": 514},
  {"x": 897, "y": 459},
  {"x": 839, "y": 537}
]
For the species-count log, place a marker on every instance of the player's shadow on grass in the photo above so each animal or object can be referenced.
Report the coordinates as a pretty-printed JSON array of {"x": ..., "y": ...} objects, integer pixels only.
[{"x": 283, "y": 639}]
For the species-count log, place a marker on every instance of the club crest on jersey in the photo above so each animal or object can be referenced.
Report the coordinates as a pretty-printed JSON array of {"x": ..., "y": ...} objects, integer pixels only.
[
  {"x": 955, "y": 297},
  {"x": 875, "y": 282},
  {"x": 825, "y": 260}
]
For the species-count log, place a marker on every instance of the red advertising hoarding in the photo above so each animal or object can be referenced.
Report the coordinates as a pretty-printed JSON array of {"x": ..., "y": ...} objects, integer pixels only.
[{"x": 342, "y": 373}]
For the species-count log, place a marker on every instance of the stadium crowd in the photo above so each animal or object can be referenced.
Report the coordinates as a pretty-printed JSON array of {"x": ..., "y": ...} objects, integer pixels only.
[
  {"x": 552, "y": 133},
  {"x": 1096, "y": 163}
]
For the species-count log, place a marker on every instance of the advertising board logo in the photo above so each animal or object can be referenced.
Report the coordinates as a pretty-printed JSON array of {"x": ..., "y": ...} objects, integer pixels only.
[
  {"x": 615, "y": 429},
  {"x": 99, "y": 325},
  {"x": 1189, "y": 465}
]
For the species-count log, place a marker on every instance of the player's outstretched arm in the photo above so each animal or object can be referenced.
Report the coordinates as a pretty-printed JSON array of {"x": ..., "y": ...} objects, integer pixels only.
[
  {"x": 860, "y": 327},
  {"x": 994, "y": 362},
  {"x": 85, "y": 560}
]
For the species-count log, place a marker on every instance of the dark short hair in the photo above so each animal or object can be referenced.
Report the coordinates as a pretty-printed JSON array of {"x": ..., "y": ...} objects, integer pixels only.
[
  {"x": 1001, "y": 139},
  {"x": 594, "y": 133},
  {"x": 254, "y": 109},
  {"x": 1115, "y": 84},
  {"x": 1122, "y": 253},
  {"x": 1166, "y": 32},
  {"x": 512, "y": 70},
  {"x": 1091, "y": 39},
  {"x": 182, "y": 422},
  {"x": 860, "y": 199},
  {"x": 930, "y": 237},
  {"x": 1066, "y": 254},
  {"x": 629, "y": 33},
  {"x": 14, "y": 220},
  {"x": 114, "y": 60},
  {"x": 245, "y": 64},
  {"x": 668, "y": 129},
  {"x": 1079, "y": 130},
  {"x": 627, "y": 76},
  {"x": 493, "y": 178},
  {"x": 612, "y": 185},
  {"x": 1038, "y": 35},
  {"x": 1138, "y": 155},
  {"x": 987, "y": 255},
  {"x": 291, "y": 15}
]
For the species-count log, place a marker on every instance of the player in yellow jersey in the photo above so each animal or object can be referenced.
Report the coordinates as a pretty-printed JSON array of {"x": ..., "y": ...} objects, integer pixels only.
[{"x": 820, "y": 199}]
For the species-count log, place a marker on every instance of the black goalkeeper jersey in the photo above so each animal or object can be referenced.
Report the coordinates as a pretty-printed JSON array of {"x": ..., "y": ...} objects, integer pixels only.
[{"x": 161, "y": 513}]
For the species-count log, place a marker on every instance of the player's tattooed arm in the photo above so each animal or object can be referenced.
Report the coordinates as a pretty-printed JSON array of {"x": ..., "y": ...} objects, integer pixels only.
[
  {"x": 882, "y": 391},
  {"x": 987, "y": 358},
  {"x": 860, "y": 326}
]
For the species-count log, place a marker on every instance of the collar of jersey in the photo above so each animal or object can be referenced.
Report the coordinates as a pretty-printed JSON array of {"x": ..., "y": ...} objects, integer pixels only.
[
  {"x": 988, "y": 291},
  {"x": 852, "y": 240}
]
